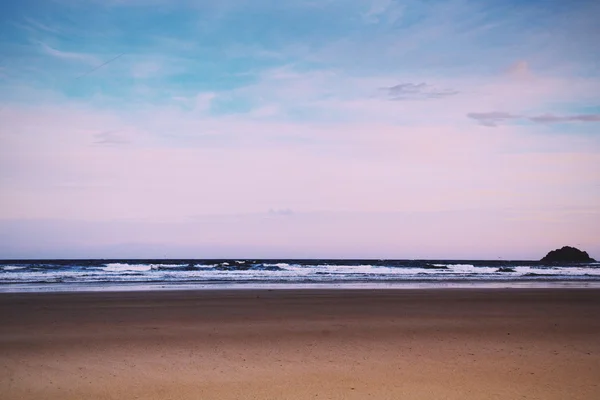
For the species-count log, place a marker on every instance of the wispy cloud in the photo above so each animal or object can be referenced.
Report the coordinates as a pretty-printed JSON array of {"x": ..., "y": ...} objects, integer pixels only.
[
  {"x": 378, "y": 9},
  {"x": 520, "y": 69},
  {"x": 552, "y": 119},
  {"x": 110, "y": 138},
  {"x": 203, "y": 101},
  {"x": 494, "y": 118},
  {"x": 283, "y": 212},
  {"x": 35, "y": 24},
  {"x": 67, "y": 55},
  {"x": 408, "y": 91}
]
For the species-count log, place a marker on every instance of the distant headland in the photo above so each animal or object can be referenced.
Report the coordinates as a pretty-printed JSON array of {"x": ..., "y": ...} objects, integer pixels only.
[{"x": 567, "y": 254}]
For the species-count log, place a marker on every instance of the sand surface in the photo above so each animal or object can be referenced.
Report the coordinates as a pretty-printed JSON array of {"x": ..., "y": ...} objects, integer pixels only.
[{"x": 302, "y": 344}]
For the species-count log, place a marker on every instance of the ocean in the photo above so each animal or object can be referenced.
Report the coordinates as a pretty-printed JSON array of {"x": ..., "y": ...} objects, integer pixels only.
[{"x": 95, "y": 275}]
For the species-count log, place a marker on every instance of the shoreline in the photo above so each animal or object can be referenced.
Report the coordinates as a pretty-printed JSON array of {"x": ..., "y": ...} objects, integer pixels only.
[
  {"x": 302, "y": 344},
  {"x": 382, "y": 285}
]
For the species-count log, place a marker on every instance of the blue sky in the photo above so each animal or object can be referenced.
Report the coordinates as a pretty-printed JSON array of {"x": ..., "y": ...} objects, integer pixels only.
[{"x": 364, "y": 128}]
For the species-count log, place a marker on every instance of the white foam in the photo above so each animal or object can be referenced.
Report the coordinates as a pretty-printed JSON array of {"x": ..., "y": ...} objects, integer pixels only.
[
  {"x": 157, "y": 266},
  {"x": 119, "y": 267},
  {"x": 471, "y": 269},
  {"x": 12, "y": 267},
  {"x": 567, "y": 271},
  {"x": 293, "y": 272}
]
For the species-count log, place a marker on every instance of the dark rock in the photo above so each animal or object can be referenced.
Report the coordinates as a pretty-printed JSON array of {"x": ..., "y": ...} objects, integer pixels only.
[
  {"x": 505, "y": 269},
  {"x": 568, "y": 254}
]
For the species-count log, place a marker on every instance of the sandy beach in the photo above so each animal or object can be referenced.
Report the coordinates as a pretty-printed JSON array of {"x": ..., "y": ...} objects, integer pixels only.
[{"x": 302, "y": 344}]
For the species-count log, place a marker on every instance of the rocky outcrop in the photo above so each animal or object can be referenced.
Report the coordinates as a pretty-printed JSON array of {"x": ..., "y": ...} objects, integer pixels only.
[{"x": 568, "y": 254}]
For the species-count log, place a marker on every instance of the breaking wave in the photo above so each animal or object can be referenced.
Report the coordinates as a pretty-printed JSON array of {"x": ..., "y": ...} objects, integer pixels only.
[{"x": 269, "y": 271}]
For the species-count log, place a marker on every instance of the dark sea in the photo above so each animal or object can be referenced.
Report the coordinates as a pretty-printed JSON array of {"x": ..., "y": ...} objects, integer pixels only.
[{"x": 94, "y": 275}]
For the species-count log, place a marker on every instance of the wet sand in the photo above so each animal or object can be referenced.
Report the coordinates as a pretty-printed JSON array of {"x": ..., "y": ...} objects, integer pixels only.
[{"x": 302, "y": 344}]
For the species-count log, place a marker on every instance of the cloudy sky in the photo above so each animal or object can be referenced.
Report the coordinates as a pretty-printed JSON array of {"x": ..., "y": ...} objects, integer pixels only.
[{"x": 299, "y": 128}]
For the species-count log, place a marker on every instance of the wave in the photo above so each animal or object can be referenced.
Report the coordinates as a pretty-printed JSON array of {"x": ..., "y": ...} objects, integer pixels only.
[
  {"x": 118, "y": 267},
  {"x": 323, "y": 271},
  {"x": 125, "y": 267},
  {"x": 13, "y": 267}
]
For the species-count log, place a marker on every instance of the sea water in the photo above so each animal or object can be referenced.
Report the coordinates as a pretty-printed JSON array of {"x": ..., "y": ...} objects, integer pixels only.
[{"x": 70, "y": 275}]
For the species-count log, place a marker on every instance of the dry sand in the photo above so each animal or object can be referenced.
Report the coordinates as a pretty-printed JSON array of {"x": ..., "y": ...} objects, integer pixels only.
[{"x": 302, "y": 344}]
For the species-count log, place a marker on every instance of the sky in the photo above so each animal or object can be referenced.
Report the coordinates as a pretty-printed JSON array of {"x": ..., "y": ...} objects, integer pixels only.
[{"x": 299, "y": 129}]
